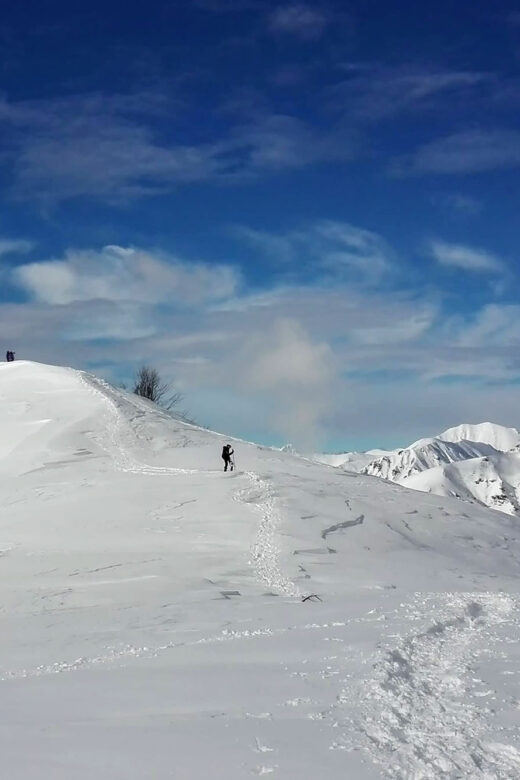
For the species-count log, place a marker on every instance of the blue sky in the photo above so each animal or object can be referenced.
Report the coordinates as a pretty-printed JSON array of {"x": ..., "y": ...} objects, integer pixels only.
[{"x": 306, "y": 215}]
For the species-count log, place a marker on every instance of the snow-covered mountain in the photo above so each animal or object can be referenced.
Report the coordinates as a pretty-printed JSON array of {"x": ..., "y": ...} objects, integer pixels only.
[
  {"x": 160, "y": 618},
  {"x": 422, "y": 455},
  {"x": 474, "y": 462}
]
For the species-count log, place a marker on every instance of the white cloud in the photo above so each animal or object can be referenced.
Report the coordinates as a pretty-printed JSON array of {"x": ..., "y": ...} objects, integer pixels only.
[
  {"x": 375, "y": 92},
  {"x": 341, "y": 244},
  {"x": 299, "y": 358},
  {"x": 109, "y": 320},
  {"x": 278, "y": 247},
  {"x": 273, "y": 142},
  {"x": 295, "y": 372},
  {"x": 125, "y": 274},
  {"x": 109, "y": 147},
  {"x": 465, "y": 152},
  {"x": 338, "y": 248},
  {"x": 466, "y": 258},
  {"x": 496, "y": 325},
  {"x": 394, "y": 415},
  {"x": 286, "y": 358},
  {"x": 299, "y": 19},
  {"x": 14, "y": 246}
]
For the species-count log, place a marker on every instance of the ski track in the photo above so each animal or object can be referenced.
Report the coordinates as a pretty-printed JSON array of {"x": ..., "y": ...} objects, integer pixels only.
[
  {"x": 265, "y": 554},
  {"x": 423, "y": 711}
]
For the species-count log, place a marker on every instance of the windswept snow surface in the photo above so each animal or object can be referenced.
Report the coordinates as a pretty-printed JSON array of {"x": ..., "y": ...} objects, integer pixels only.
[{"x": 152, "y": 622}]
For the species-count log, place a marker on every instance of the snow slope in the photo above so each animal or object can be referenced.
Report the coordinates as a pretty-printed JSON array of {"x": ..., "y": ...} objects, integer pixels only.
[
  {"x": 493, "y": 482},
  {"x": 152, "y": 615}
]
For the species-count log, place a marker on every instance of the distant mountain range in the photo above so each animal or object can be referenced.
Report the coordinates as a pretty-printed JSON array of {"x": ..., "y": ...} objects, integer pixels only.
[{"x": 479, "y": 463}]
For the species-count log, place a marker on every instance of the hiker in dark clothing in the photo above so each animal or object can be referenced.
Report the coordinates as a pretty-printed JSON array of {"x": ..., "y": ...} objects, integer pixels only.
[
  {"x": 227, "y": 452},
  {"x": 9, "y": 356}
]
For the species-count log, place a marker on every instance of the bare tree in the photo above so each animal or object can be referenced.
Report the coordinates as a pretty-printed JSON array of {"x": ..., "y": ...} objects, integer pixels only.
[{"x": 148, "y": 384}]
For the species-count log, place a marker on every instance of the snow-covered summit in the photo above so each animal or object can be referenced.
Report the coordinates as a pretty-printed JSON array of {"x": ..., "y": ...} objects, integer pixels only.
[
  {"x": 283, "y": 616},
  {"x": 498, "y": 436}
]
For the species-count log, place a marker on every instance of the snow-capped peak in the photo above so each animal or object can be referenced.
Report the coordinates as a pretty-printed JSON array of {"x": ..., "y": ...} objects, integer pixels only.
[{"x": 498, "y": 436}]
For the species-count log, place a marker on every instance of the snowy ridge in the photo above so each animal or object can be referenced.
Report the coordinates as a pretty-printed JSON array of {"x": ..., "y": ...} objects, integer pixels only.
[
  {"x": 264, "y": 551},
  {"x": 152, "y": 604}
]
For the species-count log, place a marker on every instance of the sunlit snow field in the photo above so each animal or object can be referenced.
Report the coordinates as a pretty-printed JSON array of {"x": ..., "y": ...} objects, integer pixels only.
[{"x": 152, "y": 614}]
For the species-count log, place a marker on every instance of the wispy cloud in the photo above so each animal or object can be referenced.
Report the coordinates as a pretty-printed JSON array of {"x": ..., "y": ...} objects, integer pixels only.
[
  {"x": 14, "y": 246},
  {"x": 374, "y": 92},
  {"x": 466, "y": 258},
  {"x": 329, "y": 246},
  {"x": 276, "y": 142},
  {"x": 280, "y": 248},
  {"x": 94, "y": 144},
  {"x": 495, "y": 325},
  {"x": 114, "y": 147},
  {"x": 125, "y": 274},
  {"x": 458, "y": 204},
  {"x": 111, "y": 148},
  {"x": 345, "y": 246},
  {"x": 465, "y": 152},
  {"x": 304, "y": 21}
]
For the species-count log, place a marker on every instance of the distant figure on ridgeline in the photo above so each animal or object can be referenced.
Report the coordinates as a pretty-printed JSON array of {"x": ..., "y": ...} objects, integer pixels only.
[
  {"x": 9, "y": 356},
  {"x": 227, "y": 452}
]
